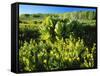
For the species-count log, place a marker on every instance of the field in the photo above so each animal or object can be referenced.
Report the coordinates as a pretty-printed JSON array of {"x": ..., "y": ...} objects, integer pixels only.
[{"x": 57, "y": 41}]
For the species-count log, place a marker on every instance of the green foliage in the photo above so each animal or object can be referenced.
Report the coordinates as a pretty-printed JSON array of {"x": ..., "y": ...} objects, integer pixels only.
[
  {"x": 59, "y": 28},
  {"x": 52, "y": 56},
  {"x": 57, "y": 41}
]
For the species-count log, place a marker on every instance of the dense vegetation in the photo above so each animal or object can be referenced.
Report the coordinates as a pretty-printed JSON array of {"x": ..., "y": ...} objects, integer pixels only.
[{"x": 57, "y": 41}]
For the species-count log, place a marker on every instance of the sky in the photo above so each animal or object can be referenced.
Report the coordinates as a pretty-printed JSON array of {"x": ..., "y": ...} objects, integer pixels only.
[{"x": 35, "y": 9}]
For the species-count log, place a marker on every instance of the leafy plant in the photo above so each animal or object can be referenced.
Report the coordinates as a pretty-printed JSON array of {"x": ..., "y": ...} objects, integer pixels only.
[{"x": 57, "y": 41}]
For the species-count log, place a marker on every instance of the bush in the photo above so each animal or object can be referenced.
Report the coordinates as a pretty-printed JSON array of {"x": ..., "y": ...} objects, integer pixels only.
[{"x": 56, "y": 44}]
